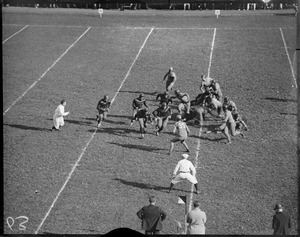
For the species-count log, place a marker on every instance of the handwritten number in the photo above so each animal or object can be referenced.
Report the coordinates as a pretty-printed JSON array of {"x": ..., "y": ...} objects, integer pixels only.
[
  {"x": 21, "y": 226},
  {"x": 8, "y": 222}
]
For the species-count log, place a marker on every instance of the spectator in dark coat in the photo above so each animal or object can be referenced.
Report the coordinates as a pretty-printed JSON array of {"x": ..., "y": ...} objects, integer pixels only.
[
  {"x": 281, "y": 222},
  {"x": 152, "y": 217}
]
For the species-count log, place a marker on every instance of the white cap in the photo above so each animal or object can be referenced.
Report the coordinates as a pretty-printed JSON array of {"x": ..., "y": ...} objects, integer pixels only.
[{"x": 185, "y": 156}]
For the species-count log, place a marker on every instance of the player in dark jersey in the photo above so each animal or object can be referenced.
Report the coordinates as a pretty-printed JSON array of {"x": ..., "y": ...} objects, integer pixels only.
[
  {"x": 164, "y": 97},
  {"x": 138, "y": 104},
  {"x": 103, "y": 108},
  {"x": 184, "y": 102},
  {"x": 162, "y": 114},
  {"x": 144, "y": 117}
]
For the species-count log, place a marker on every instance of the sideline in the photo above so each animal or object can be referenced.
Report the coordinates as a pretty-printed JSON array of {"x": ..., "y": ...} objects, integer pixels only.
[
  {"x": 15, "y": 34},
  {"x": 91, "y": 138},
  {"x": 201, "y": 124},
  {"x": 288, "y": 56},
  {"x": 45, "y": 72}
]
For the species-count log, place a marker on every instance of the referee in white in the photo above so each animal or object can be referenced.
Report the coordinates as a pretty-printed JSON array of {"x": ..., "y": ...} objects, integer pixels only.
[{"x": 186, "y": 171}]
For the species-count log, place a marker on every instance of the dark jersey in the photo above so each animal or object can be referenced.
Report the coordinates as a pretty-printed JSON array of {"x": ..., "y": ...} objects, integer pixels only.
[
  {"x": 164, "y": 98},
  {"x": 103, "y": 104},
  {"x": 142, "y": 113},
  {"x": 138, "y": 103},
  {"x": 161, "y": 112}
]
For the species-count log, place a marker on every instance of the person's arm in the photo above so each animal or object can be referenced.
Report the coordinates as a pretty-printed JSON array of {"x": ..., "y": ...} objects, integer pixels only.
[
  {"x": 146, "y": 104},
  {"x": 290, "y": 223},
  {"x": 193, "y": 170},
  {"x": 62, "y": 111},
  {"x": 274, "y": 223},
  {"x": 163, "y": 214},
  {"x": 140, "y": 213},
  {"x": 204, "y": 218},
  {"x": 188, "y": 130},
  {"x": 166, "y": 76},
  {"x": 133, "y": 104},
  {"x": 176, "y": 169},
  {"x": 174, "y": 129},
  {"x": 244, "y": 124}
]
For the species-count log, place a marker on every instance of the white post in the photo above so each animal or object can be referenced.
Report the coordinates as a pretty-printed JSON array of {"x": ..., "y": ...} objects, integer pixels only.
[{"x": 100, "y": 11}]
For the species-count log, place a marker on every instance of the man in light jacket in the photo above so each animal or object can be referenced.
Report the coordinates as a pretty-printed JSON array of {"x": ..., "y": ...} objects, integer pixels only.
[{"x": 196, "y": 220}]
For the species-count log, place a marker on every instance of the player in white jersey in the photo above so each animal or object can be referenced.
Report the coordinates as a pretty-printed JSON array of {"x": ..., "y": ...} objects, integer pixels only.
[
  {"x": 182, "y": 133},
  {"x": 58, "y": 119}
]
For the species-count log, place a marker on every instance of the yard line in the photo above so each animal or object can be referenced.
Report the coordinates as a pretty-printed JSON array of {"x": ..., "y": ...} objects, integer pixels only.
[
  {"x": 91, "y": 138},
  {"x": 201, "y": 124},
  {"x": 15, "y": 34},
  {"x": 45, "y": 72},
  {"x": 288, "y": 56}
]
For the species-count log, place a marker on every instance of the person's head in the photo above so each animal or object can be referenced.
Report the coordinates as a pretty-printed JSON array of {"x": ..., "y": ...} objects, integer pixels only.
[
  {"x": 152, "y": 200},
  {"x": 164, "y": 105},
  {"x": 141, "y": 96},
  {"x": 226, "y": 100},
  {"x": 196, "y": 203},
  {"x": 203, "y": 77},
  {"x": 178, "y": 117},
  {"x": 185, "y": 156},
  {"x": 278, "y": 207},
  {"x": 166, "y": 93},
  {"x": 177, "y": 92},
  {"x": 171, "y": 69},
  {"x": 63, "y": 102},
  {"x": 106, "y": 98}
]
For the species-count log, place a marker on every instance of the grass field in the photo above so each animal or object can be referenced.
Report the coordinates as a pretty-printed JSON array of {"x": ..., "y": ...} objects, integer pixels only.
[{"x": 89, "y": 180}]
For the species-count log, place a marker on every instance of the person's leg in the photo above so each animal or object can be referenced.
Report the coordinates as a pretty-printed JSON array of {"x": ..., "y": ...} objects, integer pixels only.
[
  {"x": 142, "y": 129},
  {"x": 226, "y": 132},
  {"x": 133, "y": 116},
  {"x": 185, "y": 145}
]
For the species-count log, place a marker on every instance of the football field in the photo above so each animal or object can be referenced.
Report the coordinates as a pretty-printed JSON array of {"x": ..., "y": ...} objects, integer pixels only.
[{"x": 89, "y": 180}]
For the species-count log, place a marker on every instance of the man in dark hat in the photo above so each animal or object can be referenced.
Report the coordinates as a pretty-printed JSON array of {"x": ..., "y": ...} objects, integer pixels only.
[
  {"x": 281, "y": 222},
  {"x": 152, "y": 217}
]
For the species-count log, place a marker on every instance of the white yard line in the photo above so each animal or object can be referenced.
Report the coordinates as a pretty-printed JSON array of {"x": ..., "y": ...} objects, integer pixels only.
[
  {"x": 201, "y": 124},
  {"x": 15, "y": 34},
  {"x": 45, "y": 72},
  {"x": 91, "y": 138},
  {"x": 288, "y": 56}
]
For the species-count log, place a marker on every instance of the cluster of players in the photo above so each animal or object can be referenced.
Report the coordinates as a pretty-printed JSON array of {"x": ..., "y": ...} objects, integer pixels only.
[{"x": 208, "y": 101}]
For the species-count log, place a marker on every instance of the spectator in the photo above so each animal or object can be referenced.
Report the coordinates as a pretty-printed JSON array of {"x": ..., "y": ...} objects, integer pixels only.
[
  {"x": 196, "y": 220},
  {"x": 152, "y": 217},
  {"x": 281, "y": 222}
]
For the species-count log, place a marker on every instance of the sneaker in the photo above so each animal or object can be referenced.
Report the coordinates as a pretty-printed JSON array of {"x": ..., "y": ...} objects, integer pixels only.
[{"x": 157, "y": 133}]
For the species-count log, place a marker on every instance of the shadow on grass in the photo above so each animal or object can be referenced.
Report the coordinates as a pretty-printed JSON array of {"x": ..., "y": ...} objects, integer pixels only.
[
  {"x": 149, "y": 186},
  {"x": 141, "y": 185},
  {"x": 24, "y": 127},
  {"x": 116, "y": 131},
  {"x": 79, "y": 122},
  {"x": 140, "y": 92},
  {"x": 280, "y": 100},
  {"x": 138, "y": 147}
]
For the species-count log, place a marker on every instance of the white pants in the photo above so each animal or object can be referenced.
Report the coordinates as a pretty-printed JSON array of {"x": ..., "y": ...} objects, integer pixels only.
[
  {"x": 184, "y": 176},
  {"x": 58, "y": 121}
]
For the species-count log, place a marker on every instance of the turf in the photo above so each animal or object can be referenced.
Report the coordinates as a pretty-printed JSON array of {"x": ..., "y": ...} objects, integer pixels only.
[{"x": 117, "y": 171}]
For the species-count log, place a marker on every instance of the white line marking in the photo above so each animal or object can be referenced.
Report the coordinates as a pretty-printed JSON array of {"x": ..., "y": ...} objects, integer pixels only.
[
  {"x": 15, "y": 34},
  {"x": 201, "y": 124},
  {"x": 45, "y": 72},
  {"x": 288, "y": 56},
  {"x": 160, "y": 28},
  {"x": 91, "y": 138}
]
